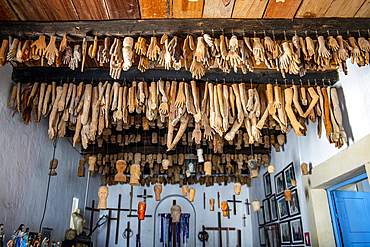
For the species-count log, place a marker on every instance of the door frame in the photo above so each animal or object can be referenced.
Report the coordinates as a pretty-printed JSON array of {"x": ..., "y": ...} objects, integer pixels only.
[{"x": 333, "y": 214}]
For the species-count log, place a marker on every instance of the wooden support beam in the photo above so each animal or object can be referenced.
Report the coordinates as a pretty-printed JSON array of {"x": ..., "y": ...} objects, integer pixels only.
[
  {"x": 122, "y": 28},
  {"x": 27, "y": 74}
]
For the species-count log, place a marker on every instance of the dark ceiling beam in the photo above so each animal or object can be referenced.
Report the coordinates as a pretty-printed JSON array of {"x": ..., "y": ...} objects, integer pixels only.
[
  {"x": 41, "y": 74},
  {"x": 195, "y": 26}
]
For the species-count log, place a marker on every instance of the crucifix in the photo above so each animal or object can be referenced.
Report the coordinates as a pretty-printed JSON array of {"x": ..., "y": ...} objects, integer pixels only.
[
  {"x": 234, "y": 201},
  {"x": 247, "y": 203},
  {"x": 118, "y": 209},
  {"x": 244, "y": 219},
  {"x": 219, "y": 229}
]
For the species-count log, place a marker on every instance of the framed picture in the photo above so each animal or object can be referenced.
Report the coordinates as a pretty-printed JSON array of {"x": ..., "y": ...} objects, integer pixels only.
[
  {"x": 296, "y": 231},
  {"x": 285, "y": 233},
  {"x": 273, "y": 208},
  {"x": 46, "y": 233},
  {"x": 279, "y": 184},
  {"x": 289, "y": 176},
  {"x": 272, "y": 235},
  {"x": 267, "y": 183},
  {"x": 266, "y": 210},
  {"x": 282, "y": 208},
  {"x": 261, "y": 219},
  {"x": 262, "y": 236},
  {"x": 294, "y": 204}
]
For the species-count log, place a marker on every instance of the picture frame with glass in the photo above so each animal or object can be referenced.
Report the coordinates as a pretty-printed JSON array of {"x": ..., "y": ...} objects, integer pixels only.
[
  {"x": 284, "y": 229},
  {"x": 289, "y": 175},
  {"x": 282, "y": 207},
  {"x": 296, "y": 230},
  {"x": 266, "y": 210},
  {"x": 272, "y": 236},
  {"x": 262, "y": 236},
  {"x": 279, "y": 184},
  {"x": 293, "y": 205},
  {"x": 267, "y": 184},
  {"x": 261, "y": 218},
  {"x": 273, "y": 208}
]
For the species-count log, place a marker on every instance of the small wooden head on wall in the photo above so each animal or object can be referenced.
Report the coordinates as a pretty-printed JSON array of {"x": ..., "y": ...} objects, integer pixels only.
[
  {"x": 175, "y": 213},
  {"x": 103, "y": 195}
]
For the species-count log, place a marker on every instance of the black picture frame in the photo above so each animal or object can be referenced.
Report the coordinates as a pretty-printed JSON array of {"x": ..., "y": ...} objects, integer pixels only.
[
  {"x": 273, "y": 208},
  {"x": 272, "y": 235},
  {"x": 293, "y": 205},
  {"x": 289, "y": 175},
  {"x": 279, "y": 184},
  {"x": 261, "y": 217},
  {"x": 296, "y": 231},
  {"x": 262, "y": 236},
  {"x": 282, "y": 208},
  {"x": 267, "y": 184},
  {"x": 284, "y": 229},
  {"x": 46, "y": 232},
  {"x": 266, "y": 210}
]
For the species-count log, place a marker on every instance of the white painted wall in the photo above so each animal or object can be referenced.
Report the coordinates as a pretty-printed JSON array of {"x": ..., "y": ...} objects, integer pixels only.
[
  {"x": 354, "y": 97},
  {"x": 204, "y": 216},
  {"x": 25, "y": 154}
]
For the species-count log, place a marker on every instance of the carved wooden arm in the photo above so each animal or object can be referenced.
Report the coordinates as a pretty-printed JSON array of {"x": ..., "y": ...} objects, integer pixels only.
[
  {"x": 314, "y": 100},
  {"x": 225, "y": 95},
  {"x": 328, "y": 126},
  {"x": 296, "y": 100},
  {"x": 179, "y": 133},
  {"x": 288, "y": 108},
  {"x": 195, "y": 91},
  {"x": 238, "y": 103}
]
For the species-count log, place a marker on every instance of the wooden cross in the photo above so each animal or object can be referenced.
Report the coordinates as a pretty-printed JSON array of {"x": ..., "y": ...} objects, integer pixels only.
[
  {"x": 118, "y": 209},
  {"x": 244, "y": 219},
  {"x": 228, "y": 213},
  {"x": 234, "y": 201},
  {"x": 247, "y": 203},
  {"x": 219, "y": 229}
]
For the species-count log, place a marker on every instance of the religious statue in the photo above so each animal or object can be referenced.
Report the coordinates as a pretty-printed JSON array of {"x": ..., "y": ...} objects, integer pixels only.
[
  {"x": 78, "y": 221},
  {"x": 237, "y": 188},
  {"x": 211, "y": 204},
  {"x": 185, "y": 190},
  {"x": 208, "y": 168},
  {"x": 81, "y": 168},
  {"x": 191, "y": 194},
  {"x": 252, "y": 165},
  {"x": 103, "y": 194},
  {"x": 53, "y": 166},
  {"x": 158, "y": 191},
  {"x": 175, "y": 213},
  {"x": 135, "y": 175},
  {"x": 141, "y": 210},
  {"x": 121, "y": 166},
  {"x": 17, "y": 236},
  {"x": 225, "y": 208}
]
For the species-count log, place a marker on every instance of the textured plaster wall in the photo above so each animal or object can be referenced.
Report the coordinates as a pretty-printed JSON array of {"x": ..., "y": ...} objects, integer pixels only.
[
  {"x": 354, "y": 97},
  {"x": 25, "y": 153},
  {"x": 203, "y": 216}
]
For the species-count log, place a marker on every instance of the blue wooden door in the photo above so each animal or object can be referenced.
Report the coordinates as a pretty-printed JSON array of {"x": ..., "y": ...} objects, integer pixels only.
[{"x": 353, "y": 212}]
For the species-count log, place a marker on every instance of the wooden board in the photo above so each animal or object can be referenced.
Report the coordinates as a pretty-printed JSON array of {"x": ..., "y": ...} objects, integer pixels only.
[
  {"x": 215, "y": 9},
  {"x": 91, "y": 10},
  {"x": 187, "y": 9},
  {"x": 249, "y": 8},
  {"x": 6, "y": 13},
  {"x": 128, "y": 9},
  {"x": 344, "y": 8},
  {"x": 285, "y": 10},
  {"x": 29, "y": 10},
  {"x": 154, "y": 9},
  {"x": 59, "y": 10},
  {"x": 313, "y": 8},
  {"x": 364, "y": 11}
]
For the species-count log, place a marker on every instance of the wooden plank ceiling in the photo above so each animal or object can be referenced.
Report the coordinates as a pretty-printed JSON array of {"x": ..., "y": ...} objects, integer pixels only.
[{"x": 74, "y": 10}]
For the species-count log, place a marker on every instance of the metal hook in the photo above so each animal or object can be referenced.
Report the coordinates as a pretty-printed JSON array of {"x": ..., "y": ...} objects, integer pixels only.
[
  {"x": 316, "y": 34},
  {"x": 301, "y": 81},
  {"x": 323, "y": 82},
  {"x": 348, "y": 33},
  {"x": 213, "y": 32},
  {"x": 232, "y": 32},
  {"x": 292, "y": 82},
  {"x": 273, "y": 34},
  {"x": 285, "y": 82},
  {"x": 337, "y": 32},
  {"x": 306, "y": 33},
  {"x": 328, "y": 32},
  {"x": 315, "y": 82},
  {"x": 308, "y": 82},
  {"x": 359, "y": 33},
  {"x": 285, "y": 35},
  {"x": 295, "y": 32},
  {"x": 276, "y": 81},
  {"x": 251, "y": 83},
  {"x": 254, "y": 33},
  {"x": 264, "y": 33}
]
